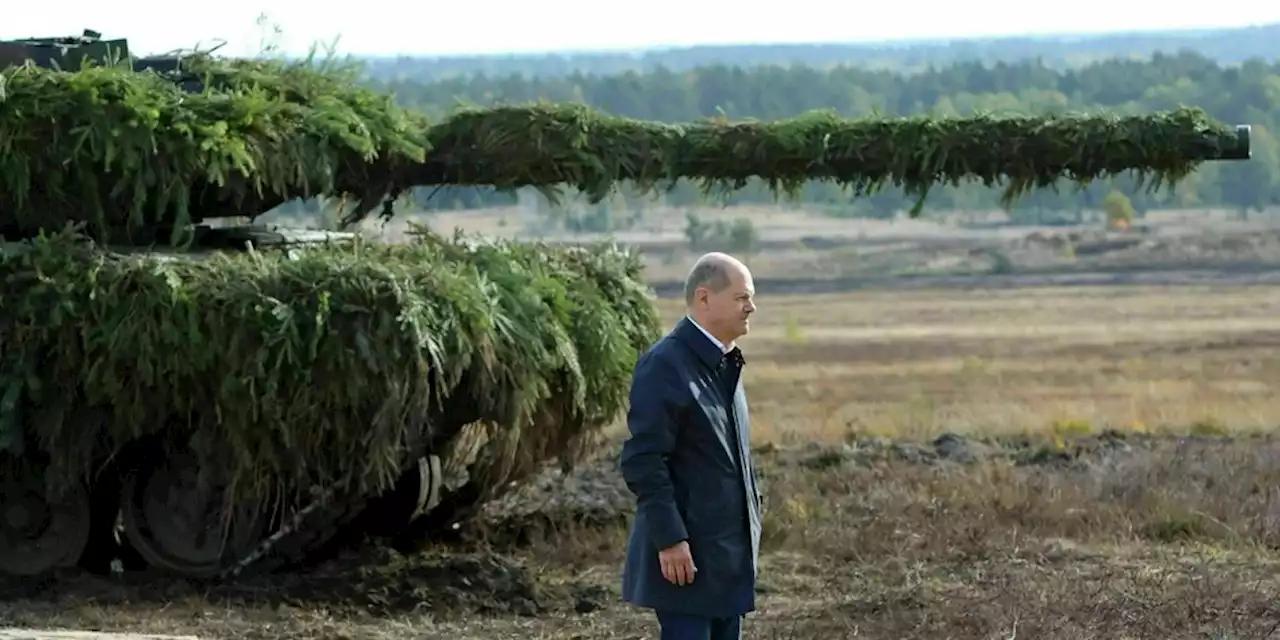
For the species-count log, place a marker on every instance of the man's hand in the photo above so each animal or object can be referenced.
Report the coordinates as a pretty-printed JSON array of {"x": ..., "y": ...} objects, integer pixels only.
[{"x": 677, "y": 564}]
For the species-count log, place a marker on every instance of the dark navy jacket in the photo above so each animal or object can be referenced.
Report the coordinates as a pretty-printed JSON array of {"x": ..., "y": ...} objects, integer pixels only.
[{"x": 688, "y": 462}]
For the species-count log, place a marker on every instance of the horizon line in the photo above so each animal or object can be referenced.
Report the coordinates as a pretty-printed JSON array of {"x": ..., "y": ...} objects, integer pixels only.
[{"x": 864, "y": 44}]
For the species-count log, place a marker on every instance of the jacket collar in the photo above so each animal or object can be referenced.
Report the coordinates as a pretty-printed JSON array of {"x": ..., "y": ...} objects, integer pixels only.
[
  {"x": 714, "y": 340},
  {"x": 702, "y": 344}
]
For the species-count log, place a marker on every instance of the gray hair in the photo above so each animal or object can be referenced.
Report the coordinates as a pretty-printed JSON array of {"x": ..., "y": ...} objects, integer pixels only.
[{"x": 711, "y": 272}]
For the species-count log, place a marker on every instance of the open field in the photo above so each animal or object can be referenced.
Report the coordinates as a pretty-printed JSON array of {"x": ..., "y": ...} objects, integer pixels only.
[
  {"x": 918, "y": 363},
  {"x": 1063, "y": 463}
]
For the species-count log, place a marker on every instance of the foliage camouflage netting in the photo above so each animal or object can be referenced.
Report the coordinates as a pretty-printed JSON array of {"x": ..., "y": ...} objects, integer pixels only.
[
  {"x": 312, "y": 368},
  {"x": 109, "y": 146}
]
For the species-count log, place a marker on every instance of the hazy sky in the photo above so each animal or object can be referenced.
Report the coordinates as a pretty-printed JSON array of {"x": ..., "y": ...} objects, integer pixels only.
[{"x": 496, "y": 26}]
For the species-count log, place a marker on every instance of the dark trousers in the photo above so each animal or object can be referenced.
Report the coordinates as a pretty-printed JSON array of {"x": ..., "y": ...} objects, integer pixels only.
[{"x": 680, "y": 626}]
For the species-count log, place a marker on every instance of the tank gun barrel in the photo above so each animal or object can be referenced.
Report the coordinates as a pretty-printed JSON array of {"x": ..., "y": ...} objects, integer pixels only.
[
  {"x": 544, "y": 145},
  {"x": 549, "y": 144}
]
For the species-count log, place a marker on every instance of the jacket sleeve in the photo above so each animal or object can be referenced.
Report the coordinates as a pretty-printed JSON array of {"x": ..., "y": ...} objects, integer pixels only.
[{"x": 653, "y": 419}]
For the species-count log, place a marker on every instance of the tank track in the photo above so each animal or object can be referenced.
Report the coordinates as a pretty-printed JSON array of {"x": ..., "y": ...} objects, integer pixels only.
[
  {"x": 331, "y": 519},
  {"x": 310, "y": 530}
]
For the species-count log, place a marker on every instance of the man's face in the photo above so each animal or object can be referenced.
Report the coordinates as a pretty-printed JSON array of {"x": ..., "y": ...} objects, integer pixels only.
[{"x": 730, "y": 309}]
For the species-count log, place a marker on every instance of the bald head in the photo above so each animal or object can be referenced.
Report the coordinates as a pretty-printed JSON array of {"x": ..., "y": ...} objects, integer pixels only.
[
  {"x": 718, "y": 293},
  {"x": 711, "y": 272}
]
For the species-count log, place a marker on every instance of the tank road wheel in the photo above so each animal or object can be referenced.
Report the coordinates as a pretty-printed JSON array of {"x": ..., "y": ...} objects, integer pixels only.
[
  {"x": 39, "y": 532},
  {"x": 177, "y": 523}
]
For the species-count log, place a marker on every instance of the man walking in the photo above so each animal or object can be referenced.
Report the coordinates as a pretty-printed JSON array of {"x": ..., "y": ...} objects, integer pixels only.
[{"x": 695, "y": 540}]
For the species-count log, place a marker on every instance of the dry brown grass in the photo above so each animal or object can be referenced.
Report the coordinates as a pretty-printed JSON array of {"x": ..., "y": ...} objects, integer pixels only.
[
  {"x": 914, "y": 364},
  {"x": 1137, "y": 537}
]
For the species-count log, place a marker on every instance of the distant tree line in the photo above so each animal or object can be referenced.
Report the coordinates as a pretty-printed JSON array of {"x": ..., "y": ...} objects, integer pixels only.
[{"x": 1224, "y": 45}]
